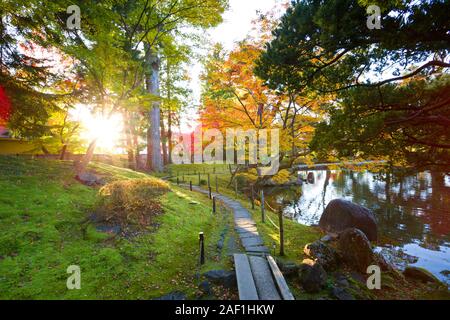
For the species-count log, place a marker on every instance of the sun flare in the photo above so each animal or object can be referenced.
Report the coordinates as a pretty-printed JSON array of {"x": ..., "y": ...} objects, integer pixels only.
[{"x": 107, "y": 130}]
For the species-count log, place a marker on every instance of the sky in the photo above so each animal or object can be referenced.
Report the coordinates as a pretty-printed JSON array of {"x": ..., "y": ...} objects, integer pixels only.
[{"x": 236, "y": 25}]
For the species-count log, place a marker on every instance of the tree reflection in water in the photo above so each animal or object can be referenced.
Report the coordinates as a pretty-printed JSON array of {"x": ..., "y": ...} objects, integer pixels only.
[{"x": 413, "y": 211}]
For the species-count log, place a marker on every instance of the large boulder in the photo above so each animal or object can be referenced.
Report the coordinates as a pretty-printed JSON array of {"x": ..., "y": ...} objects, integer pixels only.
[
  {"x": 420, "y": 274},
  {"x": 322, "y": 253},
  {"x": 355, "y": 249},
  {"x": 341, "y": 214},
  {"x": 313, "y": 277}
]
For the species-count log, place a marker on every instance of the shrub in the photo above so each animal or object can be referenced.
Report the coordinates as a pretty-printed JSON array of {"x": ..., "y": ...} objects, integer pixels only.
[{"x": 131, "y": 201}]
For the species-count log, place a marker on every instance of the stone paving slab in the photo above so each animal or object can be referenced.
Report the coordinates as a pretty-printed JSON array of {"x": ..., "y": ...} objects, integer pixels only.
[
  {"x": 257, "y": 249},
  {"x": 247, "y": 234},
  {"x": 246, "y": 284},
  {"x": 262, "y": 276},
  {"x": 251, "y": 242}
]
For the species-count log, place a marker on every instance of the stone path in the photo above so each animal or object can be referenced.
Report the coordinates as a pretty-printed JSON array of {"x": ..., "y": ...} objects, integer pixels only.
[
  {"x": 244, "y": 224},
  {"x": 257, "y": 278}
]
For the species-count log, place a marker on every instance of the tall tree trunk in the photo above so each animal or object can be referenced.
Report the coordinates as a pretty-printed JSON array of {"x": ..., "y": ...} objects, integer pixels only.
[
  {"x": 129, "y": 142},
  {"x": 154, "y": 135},
  {"x": 62, "y": 154},
  {"x": 169, "y": 114},
  {"x": 164, "y": 139},
  {"x": 87, "y": 157},
  {"x": 169, "y": 134}
]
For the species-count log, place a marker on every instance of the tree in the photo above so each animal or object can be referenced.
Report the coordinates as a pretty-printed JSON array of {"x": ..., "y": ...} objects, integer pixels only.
[
  {"x": 234, "y": 97},
  {"x": 327, "y": 48}
]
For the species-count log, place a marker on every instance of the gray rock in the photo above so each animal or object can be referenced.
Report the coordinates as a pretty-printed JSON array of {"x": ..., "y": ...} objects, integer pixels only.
[
  {"x": 420, "y": 274},
  {"x": 176, "y": 295},
  {"x": 205, "y": 287},
  {"x": 341, "y": 294},
  {"x": 322, "y": 253},
  {"x": 341, "y": 214},
  {"x": 222, "y": 277},
  {"x": 395, "y": 258},
  {"x": 355, "y": 249},
  {"x": 342, "y": 281},
  {"x": 90, "y": 179},
  {"x": 289, "y": 269},
  {"x": 330, "y": 237},
  {"x": 313, "y": 277}
]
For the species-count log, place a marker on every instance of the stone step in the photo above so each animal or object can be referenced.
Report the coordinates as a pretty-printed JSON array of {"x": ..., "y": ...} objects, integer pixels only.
[
  {"x": 246, "y": 284},
  {"x": 279, "y": 279},
  {"x": 251, "y": 242},
  {"x": 262, "y": 277},
  {"x": 257, "y": 249}
]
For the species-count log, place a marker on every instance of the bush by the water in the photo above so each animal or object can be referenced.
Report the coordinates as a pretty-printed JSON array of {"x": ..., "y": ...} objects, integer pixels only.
[{"x": 131, "y": 201}]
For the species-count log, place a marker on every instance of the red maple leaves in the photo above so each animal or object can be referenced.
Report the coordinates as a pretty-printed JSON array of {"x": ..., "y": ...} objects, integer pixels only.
[{"x": 5, "y": 105}]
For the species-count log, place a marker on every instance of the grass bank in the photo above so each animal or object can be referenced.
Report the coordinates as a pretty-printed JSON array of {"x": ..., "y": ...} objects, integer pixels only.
[{"x": 43, "y": 230}]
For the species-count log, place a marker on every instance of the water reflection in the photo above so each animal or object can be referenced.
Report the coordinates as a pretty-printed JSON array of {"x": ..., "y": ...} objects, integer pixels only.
[{"x": 413, "y": 211}]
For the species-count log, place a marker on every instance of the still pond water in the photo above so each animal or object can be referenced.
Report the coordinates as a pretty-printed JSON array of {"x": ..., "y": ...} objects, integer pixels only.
[{"x": 413, "y": 212}]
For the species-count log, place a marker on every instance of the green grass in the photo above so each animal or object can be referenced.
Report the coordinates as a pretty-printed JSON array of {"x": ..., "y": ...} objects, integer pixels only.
[{"x": 42, "y": 209}]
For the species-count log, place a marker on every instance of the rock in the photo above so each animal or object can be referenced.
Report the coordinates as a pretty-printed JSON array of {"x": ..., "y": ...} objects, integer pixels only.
[
  {"x": 420, "y": 274},
  {"x": 90, "y": 179},
  {"x": 355, "y": 249},
  {"x": 329, "y": 237},
  {"x": 395, "y": 258},
  {"x": 342, "y": 281},
  {"x": 322, "y": 253},
  {"x": 341, "y": 214},
  {"x": 341, "y": 294},
  {"x": 312, "y": 275},
  {"x": 289, "y": 269},
  {"x": 176, "y": 295},
  {"x": 222, "y": 277},
  {"x": 205, "y": 287}
]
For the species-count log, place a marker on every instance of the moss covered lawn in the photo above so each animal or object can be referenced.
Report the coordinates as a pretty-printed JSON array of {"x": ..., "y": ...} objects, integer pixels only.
[{"x": 43, "y": 230}]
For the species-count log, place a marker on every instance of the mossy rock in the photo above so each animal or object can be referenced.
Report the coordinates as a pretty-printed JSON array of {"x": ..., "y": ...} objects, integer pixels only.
[{"x": 421, "y": 274}]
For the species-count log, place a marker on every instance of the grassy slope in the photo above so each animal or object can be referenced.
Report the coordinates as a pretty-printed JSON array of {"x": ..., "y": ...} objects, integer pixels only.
[{"x": 41, "y": 210}]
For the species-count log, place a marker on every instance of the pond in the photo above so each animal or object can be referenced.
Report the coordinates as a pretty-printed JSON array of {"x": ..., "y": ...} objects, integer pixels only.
[{"x": 413, "y": 211}]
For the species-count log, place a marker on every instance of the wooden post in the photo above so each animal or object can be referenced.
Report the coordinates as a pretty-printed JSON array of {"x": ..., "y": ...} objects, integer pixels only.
[
  {"x": 217, "y": 185},
  {"x": 178, "y": 181},
  {"x": 210, "y": 192},
  {"x": 214, "y": 204},
  {"x": 201, "y": 239},
  {"x": 280, "y": 221},
  {"x": 199, "y": 182},
  {"x": 252, "y": 198},
  {"x": 263, "y": 218},
  {"x": 209, "y": 181},
  {"x": 190, "y": 185}
]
